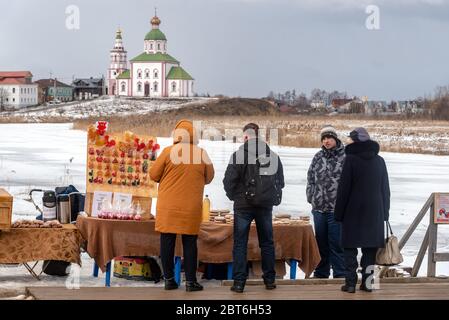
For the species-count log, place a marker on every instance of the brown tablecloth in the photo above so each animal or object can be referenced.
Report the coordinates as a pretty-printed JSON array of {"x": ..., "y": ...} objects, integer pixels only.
[
  {"x": 35, "y": 244},
  {"x": 107, "y": 239}
]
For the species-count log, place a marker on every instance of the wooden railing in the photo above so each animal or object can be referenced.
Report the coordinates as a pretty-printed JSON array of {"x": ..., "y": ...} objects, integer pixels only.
[{"x": 429, "y": 243}]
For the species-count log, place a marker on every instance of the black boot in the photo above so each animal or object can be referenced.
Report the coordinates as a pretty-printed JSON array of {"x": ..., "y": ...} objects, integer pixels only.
[
  {"x": 193, "y": 286},
  {"x": 270, "y": 285},
  {"x": 366, "y": 285},
  {"x": 238, "y": 286},
  {"x": 348, "y": 289},
  {"x": 171, "y": 284}
]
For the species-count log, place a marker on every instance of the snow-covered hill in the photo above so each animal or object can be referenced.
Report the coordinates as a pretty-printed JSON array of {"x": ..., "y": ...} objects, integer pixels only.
[{"x": 104, "y": 106}]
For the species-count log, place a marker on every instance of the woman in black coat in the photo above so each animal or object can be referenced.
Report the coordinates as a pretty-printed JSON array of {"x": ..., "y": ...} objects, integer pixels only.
[{"x": 363, "y": 204}]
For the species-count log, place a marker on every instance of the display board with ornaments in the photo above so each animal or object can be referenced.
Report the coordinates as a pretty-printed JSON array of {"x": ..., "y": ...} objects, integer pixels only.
[{"x": 120, "y": 162}]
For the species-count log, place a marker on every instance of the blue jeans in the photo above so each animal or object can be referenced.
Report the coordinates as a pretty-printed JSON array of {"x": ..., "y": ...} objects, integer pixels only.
[
  {"x": 264, "y": 225},
  {"x": 328, "y": 237}
]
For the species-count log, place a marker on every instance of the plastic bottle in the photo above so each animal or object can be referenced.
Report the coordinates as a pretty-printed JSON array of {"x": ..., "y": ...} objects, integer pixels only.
[{"x": 206, "y": 209}]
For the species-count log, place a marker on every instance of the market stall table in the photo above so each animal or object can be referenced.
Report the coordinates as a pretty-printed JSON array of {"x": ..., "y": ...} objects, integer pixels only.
[
  {"x": 107, "y": 239},
  {"x": 25, "y": 245}
]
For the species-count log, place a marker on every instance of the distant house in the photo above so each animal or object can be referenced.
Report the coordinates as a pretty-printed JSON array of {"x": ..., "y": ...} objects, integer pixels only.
[
  {"x": 409, "y": 106},
  {"x": 51, "y": 90},
  {"x": 317, "y": 104},
  {"x": 90, "y": 88},
  {"x": 17, "y": 89},
  {"x": 285, "y": 108},
  {"x": 375, "y": 107},
  {"x": 336, "y": 103}
]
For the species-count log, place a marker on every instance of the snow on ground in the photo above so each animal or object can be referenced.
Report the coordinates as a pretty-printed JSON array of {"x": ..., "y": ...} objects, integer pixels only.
[
  {"x": 50, "y": 155},
  {"x": 104, "y": 106}
]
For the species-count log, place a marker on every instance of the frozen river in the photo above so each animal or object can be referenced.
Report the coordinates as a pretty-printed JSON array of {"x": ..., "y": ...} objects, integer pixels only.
[{"x": 50, "y": 155}]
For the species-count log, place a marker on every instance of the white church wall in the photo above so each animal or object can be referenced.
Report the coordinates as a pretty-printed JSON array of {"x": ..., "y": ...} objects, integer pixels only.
[
  {"x": 176, "y": 92},
  {"x": 151, "y": 80},
  {"x": 123, "y": 87}
]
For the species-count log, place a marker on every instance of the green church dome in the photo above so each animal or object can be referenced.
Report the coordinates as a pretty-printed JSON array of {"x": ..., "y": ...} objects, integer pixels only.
[{"x": 155, "y": 34}]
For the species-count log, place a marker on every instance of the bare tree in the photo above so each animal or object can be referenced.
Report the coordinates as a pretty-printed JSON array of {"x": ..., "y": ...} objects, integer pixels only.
[{"x": 3, "y": 97}]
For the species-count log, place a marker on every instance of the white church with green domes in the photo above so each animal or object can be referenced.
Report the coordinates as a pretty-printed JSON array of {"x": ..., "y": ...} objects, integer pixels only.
[{"x": 153, "y": 73}]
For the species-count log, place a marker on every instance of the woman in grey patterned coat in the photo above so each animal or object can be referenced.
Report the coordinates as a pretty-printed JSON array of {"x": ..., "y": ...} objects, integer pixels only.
[{"x": 322, "y": 184}]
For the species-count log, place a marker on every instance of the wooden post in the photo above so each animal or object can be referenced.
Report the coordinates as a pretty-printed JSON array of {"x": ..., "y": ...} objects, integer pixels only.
[
  {"x": 417, "y": 220},
  {"x": 433, "y": 230},
  {"x": 424, "y": 210},
  {"x": 421, "y": 253}
]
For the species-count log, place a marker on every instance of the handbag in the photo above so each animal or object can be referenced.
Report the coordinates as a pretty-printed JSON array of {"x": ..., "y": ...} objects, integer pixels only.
[{"x": 391, "y": 254}]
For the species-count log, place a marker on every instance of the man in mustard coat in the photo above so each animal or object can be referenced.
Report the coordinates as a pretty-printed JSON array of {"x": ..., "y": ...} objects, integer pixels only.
[{"x": 182, "y": 170}]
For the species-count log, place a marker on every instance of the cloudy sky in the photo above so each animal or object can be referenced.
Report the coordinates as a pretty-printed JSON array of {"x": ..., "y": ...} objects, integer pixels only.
[{"x": 243, "y": 47}]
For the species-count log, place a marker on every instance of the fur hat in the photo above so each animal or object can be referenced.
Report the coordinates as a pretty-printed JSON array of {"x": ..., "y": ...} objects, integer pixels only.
[
  {"x": 359, "y": 135},
  {"x": 329, "y": 131}
]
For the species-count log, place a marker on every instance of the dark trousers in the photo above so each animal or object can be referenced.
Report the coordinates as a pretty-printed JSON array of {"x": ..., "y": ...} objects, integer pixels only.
[
  {"x": 328, "y": 237},
  {"x": 168, "y": 242},
  {"x": 367, "y": 263},
  {"x": 264, "y": 225}
]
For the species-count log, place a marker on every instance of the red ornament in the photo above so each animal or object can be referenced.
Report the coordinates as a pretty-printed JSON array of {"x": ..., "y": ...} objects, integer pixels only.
[
  {"x": 110, "y": 143},
  {"x": 102, "y": 126},
  {"x": 156, "y": 147}
]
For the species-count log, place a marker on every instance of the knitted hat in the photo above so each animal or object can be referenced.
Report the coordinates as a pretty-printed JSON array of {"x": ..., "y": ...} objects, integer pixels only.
[
  {"x": 329, "y": 131},
  {"x": 359, "y": 135}
]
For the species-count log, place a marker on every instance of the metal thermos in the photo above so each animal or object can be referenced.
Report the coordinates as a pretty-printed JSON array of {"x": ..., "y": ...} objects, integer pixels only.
[
  {"x": 49, "y": 206},
  {"x": 63, "y": 209}
]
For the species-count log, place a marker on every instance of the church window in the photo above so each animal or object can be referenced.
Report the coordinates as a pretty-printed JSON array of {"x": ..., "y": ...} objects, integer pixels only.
[
  {"x": 151, "y": 46},
  {"x": 173, "y": 86},
  {"x": 139, "y": 74},
  {"x": 123, "y": 87},
  {"x": 159, "y": 46},
  {"x": 13, "y": 90},
  {"x": 139, "y": 87},
  {"x": 147, "y": 73},
  {"x": 155, "y": 87},
  {"x": 155, "y": 73},
  {"x": 115, "y": 73}
]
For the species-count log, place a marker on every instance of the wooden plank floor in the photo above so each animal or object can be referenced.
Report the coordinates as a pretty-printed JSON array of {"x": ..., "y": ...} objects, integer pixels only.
[{"x": 433, "y": 291}]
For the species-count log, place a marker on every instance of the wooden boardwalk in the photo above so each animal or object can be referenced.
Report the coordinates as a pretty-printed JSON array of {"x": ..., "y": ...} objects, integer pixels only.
[{"x": 387, "y": 291}]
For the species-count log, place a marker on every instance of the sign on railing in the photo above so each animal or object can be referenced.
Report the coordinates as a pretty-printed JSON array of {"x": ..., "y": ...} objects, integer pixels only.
[{"x": 441, "y": 208}]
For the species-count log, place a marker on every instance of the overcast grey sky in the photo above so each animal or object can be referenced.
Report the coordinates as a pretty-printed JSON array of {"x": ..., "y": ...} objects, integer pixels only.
[{"x": 243, "y": 47}]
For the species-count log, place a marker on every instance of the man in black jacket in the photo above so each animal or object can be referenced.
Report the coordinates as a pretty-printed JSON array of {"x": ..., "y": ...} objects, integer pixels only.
[
  {"x": 363, "y": 204},
  {"x": 253, "y": 180}
]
